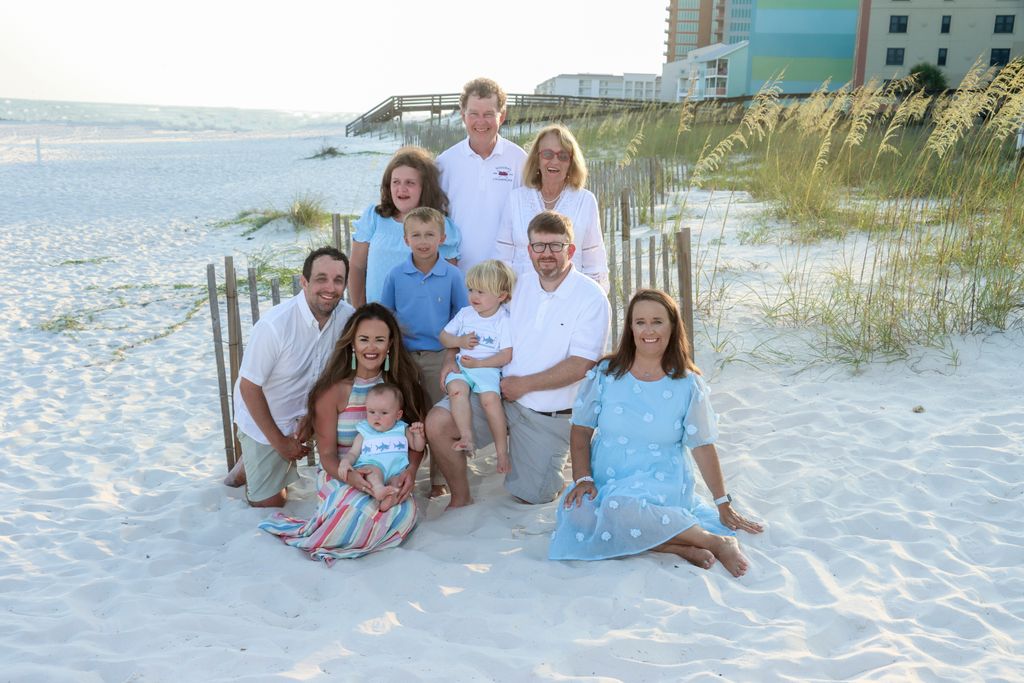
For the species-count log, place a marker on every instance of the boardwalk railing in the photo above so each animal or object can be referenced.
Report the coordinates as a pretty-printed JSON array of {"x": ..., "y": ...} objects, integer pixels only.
[
  {"x": 521, "y": 108},
  {"x": 654, "y": 259}
]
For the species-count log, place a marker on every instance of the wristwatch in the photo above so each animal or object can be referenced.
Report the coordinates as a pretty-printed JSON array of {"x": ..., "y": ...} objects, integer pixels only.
[{"x": 724, "y": 499}]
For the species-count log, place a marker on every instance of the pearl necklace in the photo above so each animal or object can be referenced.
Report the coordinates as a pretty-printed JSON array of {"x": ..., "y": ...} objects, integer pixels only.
[{"x": 551, "y": 203}]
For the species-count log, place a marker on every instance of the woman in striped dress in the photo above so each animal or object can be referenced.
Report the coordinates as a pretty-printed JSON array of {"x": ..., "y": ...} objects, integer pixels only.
[{"x": 348, "y": 522}]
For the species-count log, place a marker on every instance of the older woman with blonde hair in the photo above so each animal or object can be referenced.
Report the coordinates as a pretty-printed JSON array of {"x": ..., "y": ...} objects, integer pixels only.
[{"x": 553, "y": 180}]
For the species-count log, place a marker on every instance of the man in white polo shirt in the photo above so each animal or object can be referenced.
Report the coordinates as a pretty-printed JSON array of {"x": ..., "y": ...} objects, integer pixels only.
[
  {"x": 288, "y": 349},
  {"x": 478, "y": 173},
  {"x": 559, "y": 322}
]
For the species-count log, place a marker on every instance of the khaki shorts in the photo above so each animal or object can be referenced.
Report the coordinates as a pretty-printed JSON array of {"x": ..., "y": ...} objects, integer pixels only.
[
  {"x": 538, "y": 448},
  {"x": 430, "y": 363},
  {"x": 266, "y": 472}
]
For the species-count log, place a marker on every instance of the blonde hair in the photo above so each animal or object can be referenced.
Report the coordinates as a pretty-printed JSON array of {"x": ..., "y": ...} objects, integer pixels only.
[
  {"x": 426, "y": 215},
  {"x": 577, "y": 174},
  {"x": 493, "y": 277}
]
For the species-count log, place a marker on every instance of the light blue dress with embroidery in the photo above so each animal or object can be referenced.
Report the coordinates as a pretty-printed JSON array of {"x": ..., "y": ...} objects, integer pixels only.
[{"x": 641, "y": 466}]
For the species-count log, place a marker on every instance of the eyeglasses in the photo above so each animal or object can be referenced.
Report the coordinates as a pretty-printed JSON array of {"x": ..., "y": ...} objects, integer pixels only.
[
  {"x": 540, "y": 247},
  {"x": 549, "y": 154}
]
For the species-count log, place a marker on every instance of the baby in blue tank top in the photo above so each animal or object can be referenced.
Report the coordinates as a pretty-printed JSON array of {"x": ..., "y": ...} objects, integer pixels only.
[{"x": 380, "y": 451}]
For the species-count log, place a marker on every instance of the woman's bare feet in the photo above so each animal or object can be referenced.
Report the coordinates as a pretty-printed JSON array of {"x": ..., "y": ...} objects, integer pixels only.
[
  {"x": 438, "y": 490},
  {"x": 727, "y": 550},
  {"x": 698, "y": 557},
  {"x": 236, "y": 477}
]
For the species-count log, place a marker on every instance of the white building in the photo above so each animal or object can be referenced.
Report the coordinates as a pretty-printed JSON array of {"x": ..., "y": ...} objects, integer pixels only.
[
  {"x": 710, "y": 72},
  {"x": 630, "y": 86}
]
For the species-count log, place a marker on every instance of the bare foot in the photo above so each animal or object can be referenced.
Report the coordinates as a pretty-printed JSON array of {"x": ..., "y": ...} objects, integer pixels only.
[
  {"x": 466, "y": 446},
  {"x": 698, "y": 557},
  {"x": 438, "y": 490},
  {"x": 236, "y": 477},
  {"x": 389, "y": 500},
  {"x": 458, "y": 503},
  {"x": 727, "y": 550}
]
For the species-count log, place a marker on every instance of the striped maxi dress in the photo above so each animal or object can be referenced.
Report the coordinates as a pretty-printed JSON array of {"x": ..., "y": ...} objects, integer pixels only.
[{"x": 347, "y": 523}]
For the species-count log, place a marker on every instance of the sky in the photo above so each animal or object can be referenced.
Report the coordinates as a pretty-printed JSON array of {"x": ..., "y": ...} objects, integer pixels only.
[{"x": 312, "y": 55}]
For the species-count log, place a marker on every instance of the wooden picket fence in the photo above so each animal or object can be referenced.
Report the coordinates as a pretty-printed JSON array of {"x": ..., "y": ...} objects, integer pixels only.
[{"x": 657, "y": 261}]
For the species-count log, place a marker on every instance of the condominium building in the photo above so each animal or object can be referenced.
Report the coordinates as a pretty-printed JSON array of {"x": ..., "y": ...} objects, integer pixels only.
[
  {"x": 698, "y": 23},
  {"x": 629, "y": 86},
  {"x": 710, "y": 72},
  {"x": 806, "y": 42},
  {"x": 895, "y": 35}
]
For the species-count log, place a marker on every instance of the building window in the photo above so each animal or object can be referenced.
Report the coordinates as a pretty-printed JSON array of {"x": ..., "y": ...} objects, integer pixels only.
[
  {"x": 946, "y": 21},
  {"x": 1004, "y": 23},
  {"x": 894, "y": 56},
  {"x": 898, "y": 23},
  {"x": 1000, "y": 56},
  {"x": 941, "y": 61}
]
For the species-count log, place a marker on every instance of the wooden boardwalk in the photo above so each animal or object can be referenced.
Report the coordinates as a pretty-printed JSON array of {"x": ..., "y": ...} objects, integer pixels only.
[{"x": 521, "y": 108}]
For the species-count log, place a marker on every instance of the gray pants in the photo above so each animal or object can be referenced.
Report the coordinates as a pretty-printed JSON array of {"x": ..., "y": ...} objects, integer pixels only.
[{"x": 538, "y": 448}]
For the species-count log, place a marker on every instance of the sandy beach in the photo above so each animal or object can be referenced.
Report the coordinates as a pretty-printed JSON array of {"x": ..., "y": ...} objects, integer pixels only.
[{"x": 893, "y": 548}]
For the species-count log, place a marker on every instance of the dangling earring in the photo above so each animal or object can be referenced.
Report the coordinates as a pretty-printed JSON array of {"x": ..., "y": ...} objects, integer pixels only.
[
  {"x": 353, "y": 359},
  {"x": 387, "y": 362}
]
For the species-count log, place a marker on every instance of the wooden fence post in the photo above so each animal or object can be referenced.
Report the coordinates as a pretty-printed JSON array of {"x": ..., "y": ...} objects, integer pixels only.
[
  {"x": 222, "y": 380},
  {"x": 254, "y": 296},
  {"x": 348, "y": 235},
  {"x": 234, "y": 329},
  {"x": 275, "y": 290},
  {"x": 638, "y": 263},
  {"x": 666, "y": 273},
  {"x": 685, "y": 281},
  {"x": 336, "y": 230},
  {"x": 613, "y": 277},
  {"x": 652, "y": 263}
]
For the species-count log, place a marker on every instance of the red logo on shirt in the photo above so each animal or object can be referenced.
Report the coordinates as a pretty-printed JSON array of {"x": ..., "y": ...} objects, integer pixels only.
[{"x": 503, "y": 173}]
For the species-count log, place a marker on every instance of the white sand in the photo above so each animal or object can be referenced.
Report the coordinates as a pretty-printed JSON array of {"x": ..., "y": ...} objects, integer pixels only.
[{"x": 894, "y": 548}]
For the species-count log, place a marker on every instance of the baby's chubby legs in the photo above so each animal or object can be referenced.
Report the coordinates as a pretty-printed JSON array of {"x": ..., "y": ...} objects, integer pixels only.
[
  {"x": 458, "y": 396},
  {"x": 495, "y": 413},
  {"x": 386, "y": 495}
]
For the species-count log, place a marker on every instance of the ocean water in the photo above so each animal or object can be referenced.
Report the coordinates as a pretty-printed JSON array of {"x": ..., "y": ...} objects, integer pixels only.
[{"x": 169, "y": 117}]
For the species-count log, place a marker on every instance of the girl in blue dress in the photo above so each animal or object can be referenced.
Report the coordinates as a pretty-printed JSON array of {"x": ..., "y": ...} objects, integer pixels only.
[
  {"x": 636, "y": 415},
  {"x": 411, "y": 180}
]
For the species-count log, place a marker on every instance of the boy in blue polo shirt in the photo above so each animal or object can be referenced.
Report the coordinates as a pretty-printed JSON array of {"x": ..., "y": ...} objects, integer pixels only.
[{"x": 425, "y": 293}]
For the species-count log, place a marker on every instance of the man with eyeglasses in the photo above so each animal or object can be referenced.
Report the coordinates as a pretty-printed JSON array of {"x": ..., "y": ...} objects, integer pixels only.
[
  {"x": 478, "y": 173},
  {"x": 559, "y": 320}
]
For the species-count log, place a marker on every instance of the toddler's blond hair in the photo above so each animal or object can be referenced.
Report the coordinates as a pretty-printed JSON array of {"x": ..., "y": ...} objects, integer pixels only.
[{"x": 493, "y": 277}]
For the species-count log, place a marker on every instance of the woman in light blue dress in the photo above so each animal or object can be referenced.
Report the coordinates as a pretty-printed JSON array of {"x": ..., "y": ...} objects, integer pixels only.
[{"x": 636, "y": 415}]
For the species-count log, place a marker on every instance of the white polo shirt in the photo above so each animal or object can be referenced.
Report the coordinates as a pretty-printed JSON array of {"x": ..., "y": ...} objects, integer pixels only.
[
  {"x": 287, "y": 351},
  {"x": 548, "y": 327},
  {"x": 477, "y": 190}
]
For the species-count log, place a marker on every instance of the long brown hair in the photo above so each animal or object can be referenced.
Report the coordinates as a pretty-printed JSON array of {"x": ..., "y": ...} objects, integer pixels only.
[
  {"x": 402, "y": 370},
  {"x": 677, "y": 359},
  {"x": 420, "y": 161}
]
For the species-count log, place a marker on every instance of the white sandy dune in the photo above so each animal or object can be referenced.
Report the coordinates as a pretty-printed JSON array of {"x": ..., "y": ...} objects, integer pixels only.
[{"x": 893, "y": 551}]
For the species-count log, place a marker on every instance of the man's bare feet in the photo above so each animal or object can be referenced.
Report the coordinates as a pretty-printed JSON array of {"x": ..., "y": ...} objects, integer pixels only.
[
  {"x": 458, "y": 503},
  {"x": 438, "y": 490},
  {"x": 727, "y": 550},
  {"x": 236, "y": 477}
]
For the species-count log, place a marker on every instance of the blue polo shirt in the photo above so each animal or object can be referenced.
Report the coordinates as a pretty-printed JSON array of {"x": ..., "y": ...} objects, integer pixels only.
[{"x": 424, "y": 303}]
